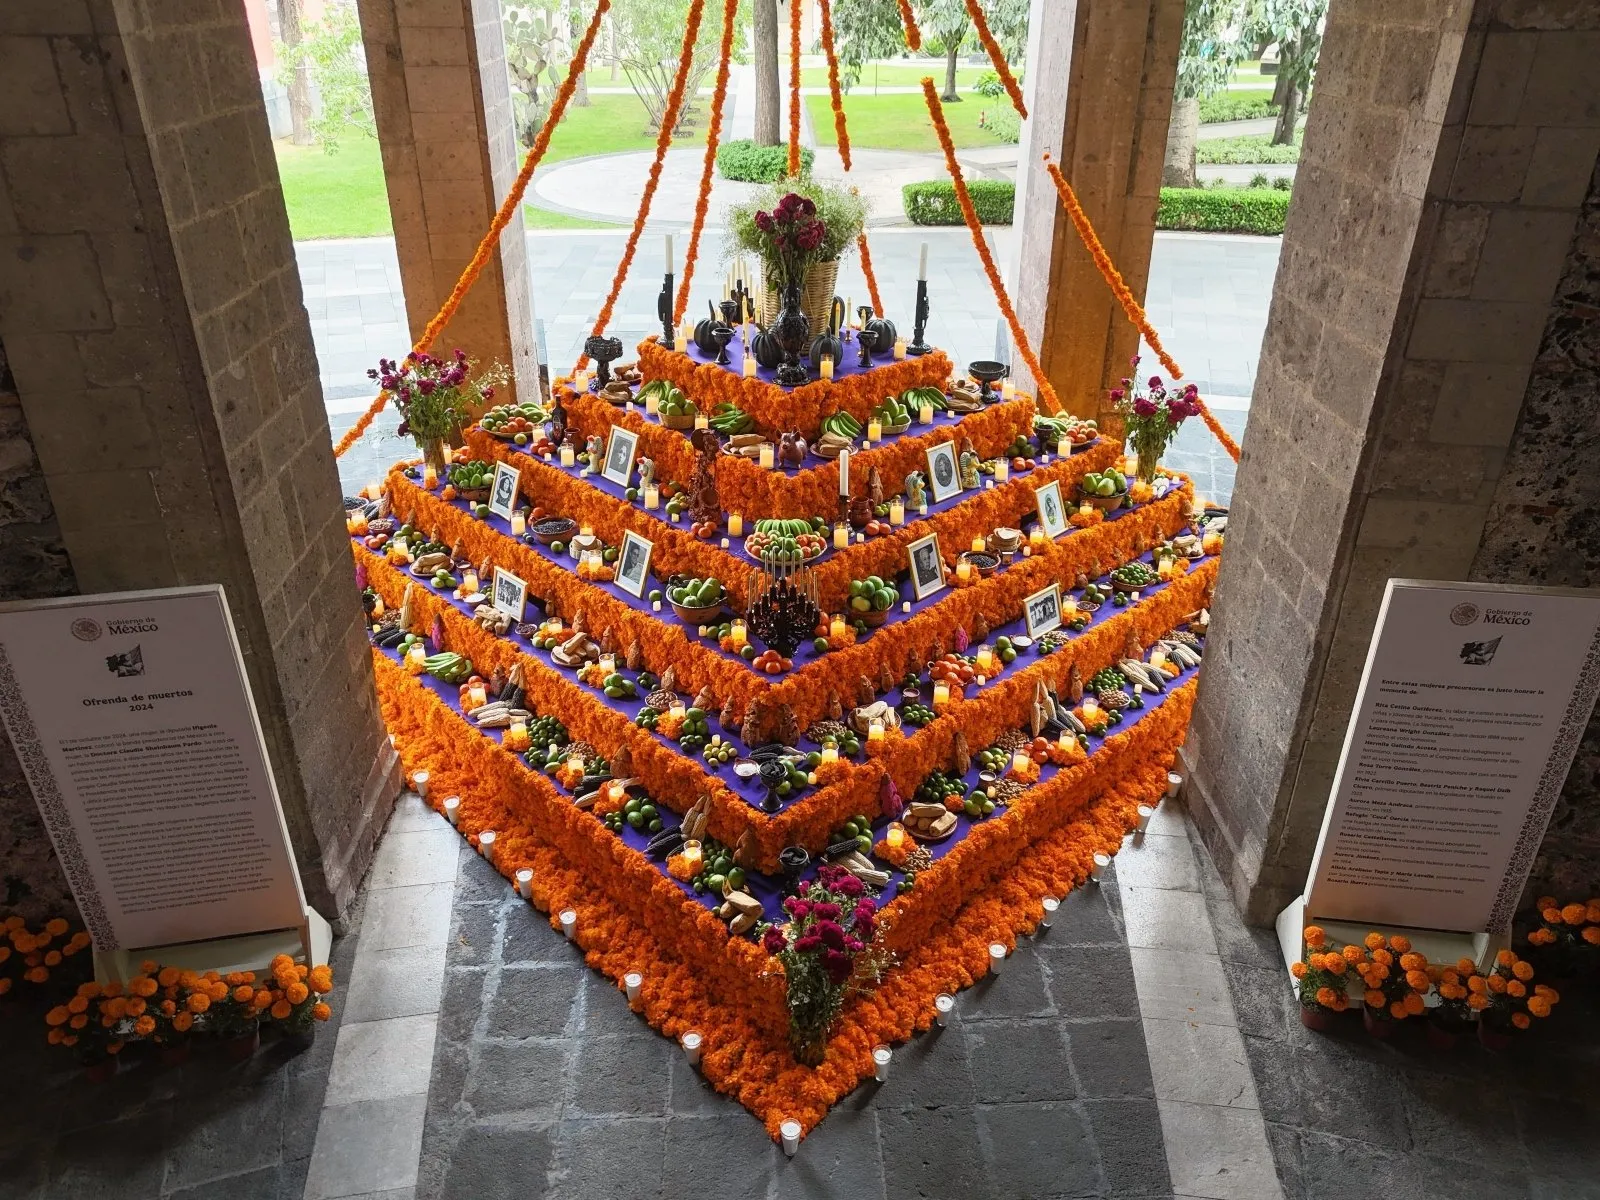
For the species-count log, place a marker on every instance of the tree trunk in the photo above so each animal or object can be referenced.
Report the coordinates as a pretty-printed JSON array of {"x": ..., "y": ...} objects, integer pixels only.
[
  {"x": 575, "y": 23},
  {"x": 1283, "y": 134},
  {"x": 1280, "y": 83},
  {"x": 300, "y": 81},
  {"x": 1182, "y": 134},
  {"x": 951, "y": 96},
  {"x": 766, "y": 62},
  {"x": 611, "y": 42}
]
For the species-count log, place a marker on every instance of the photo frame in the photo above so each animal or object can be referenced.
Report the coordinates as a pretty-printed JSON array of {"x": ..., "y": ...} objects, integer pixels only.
[
  {"x": 509, "y": 594},
  {"x": 503, "y": 490},
  {"x": 944, "y": 472},
  {"x": 633, "y": 562},
  {"x": 1052, "y": 510},
  {"x": 621, "y": 449},
  {"x": 926, "y": 565},
  {"x": 1042, "y": 610}
]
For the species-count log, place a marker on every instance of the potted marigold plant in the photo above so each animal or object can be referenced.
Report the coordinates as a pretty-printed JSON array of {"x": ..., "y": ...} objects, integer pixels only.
[
  {"x": 301, "y": 1006},
  {"x": 1567, "y": 939},
  {"x": 1457, "y": 1011},
  {"x": 1152, "y": 419},
  {"x": 437, "y": 397},
  {"x": 1513, "y": 1000},
  {"x": 829, "y": 950},
  {"x": 1320, "y": 977},
  {"x": 232, "y": 1011},
  {"x": 1395, "y": 979}
]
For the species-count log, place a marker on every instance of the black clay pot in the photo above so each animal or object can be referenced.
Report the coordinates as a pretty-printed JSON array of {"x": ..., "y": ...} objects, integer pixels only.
[{"x": 792, "y": 329}]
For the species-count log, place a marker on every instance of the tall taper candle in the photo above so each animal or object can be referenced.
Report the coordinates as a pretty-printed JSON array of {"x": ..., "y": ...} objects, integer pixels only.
[
  {"x": 669, "y": 254},
  {"x": 844, "y": 472},
  {"x": 922, "y": 262}
]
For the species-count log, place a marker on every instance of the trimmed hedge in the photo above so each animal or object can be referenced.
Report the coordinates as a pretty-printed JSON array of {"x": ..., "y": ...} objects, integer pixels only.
[
  {"x": 934, "y": 202},
  {"x": 1223, "y": 210},
  {"x": 1237, "y": 106},
  {"x": 746, "y": 162}
]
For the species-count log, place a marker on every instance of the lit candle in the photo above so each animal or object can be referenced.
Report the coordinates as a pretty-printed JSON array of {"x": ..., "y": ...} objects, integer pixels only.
[
  {"x": 1158, "y": 659},
  {"x": 844, "y": 473},
  {"x": 941, "y": 694},
  {"x": 943, "y": 1005},
  {"x": 632, "y": 982},
  {"x": 836, "y": 627},
  {"x": 652, "y": 405},
  {"x": 693, "y": 856},
  {"x": 1164, "y": 568},
  {"x": 469, "y": 582},
  {"x": 452, "y": 809},
  {"x": 1069, "y": 607},
  {"x": 749, "y": 367},
  {"x": 692, "y": 1043},
  {"x": 841, "y": 536},
  {"x": 1002, "y": 470},
  {"x": 652, "y": 497},
  {"x": 830, "y": 754},
  {"x": 1085, "y": 509},
  {"x": 569, "y": 923},
  {"x": 875, "y": 731},
  {"x": 677, "y": 710},
  {"x": 925, "y": 415},
  {"x": 419, "y": 784},
  {"x": 880, "y": 1062},
  {"x": 449, "y": 453},
  {"x": 586, "y": 532},
  {"x": 896, "y": 837},
  {"x": 735, "y": 525},
  {"x": 825, "y": 367},
  {"x": 922, "y": 262},
  {"x": 899, "y": 349},
  {"x": 738, "y": 635},
  {"x": 569, "y": 456},
  {"x": 430, "y": 477},
  {"x": 1008, "y": 390},
  {"x": 701, "y": 421},
  {"x": 1036, "y": 538},
  {"x": 415, "y": 658},
  {"x": 790, "y": 1132},
  {"x": 964, "y": 571},
  {"x": 1101, "y": 862},
  {"x": 1064, "y": 742},
  {"x": 525, "y": 883},
  {"x": 997, "y": 957},
  {"x": 1051, "y": 906},
  {"x": 1091, "y": 708},
  {"x": 519, "y": 523},
  {"x": 897, "y": 511},
  {"x": 486, "y": 844},
  {"x": 1145, "y": 813},
  {"x": 766, "y": 456},
  {"x": 477, "y": 697},
  {"x": 985, "y": 658},
  {"x": 517, "y": 733},
  {"x": 1020, "y": 761},
  {"x": 978, "y": 544},
  {"x": 874, "y": 431},
  {"x": 608, "y": 663},
  {"x": 374, "y": 490}
]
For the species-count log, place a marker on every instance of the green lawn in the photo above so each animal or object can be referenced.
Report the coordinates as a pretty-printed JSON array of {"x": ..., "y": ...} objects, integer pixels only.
[
  {"x": 900, "y": 122},
  {"x": 1248, "y": 149},
  {"x": 334, "y": 195},
  {"x": 612, "y": 123},
  {"x": 908, "y": 75}
]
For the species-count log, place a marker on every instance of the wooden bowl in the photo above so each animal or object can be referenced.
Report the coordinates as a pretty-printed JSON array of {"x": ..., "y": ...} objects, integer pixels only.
[
  {"x": 686, "y": 421},
  {"x": 697, "y": 616},
  {"x": 552, "y": 534},
  {"x": 1106, "y": 504},
  {"x": 872, "y": 618}
]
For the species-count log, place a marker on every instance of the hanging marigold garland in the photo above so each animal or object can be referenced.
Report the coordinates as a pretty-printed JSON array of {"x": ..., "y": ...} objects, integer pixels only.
[
  {"x": 508, "y": 208},
  {"x": 909, "y": 20},
  {"x": 981, "y": 25},
  {"x": 794, "y": 88},
  {"x": 719, "y": 95},
  {"x": 669, "y": 120},
  {"x": 1047, "y": 393},
  {"x": 842, "y": 135},
  {"x": 1125, "y": 297},
  {"x": 872, "y": 278}
]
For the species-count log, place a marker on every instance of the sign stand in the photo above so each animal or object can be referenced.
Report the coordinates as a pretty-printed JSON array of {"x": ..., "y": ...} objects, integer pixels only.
[
  {"x": 132, "y": 716},
  {"x": 1469, "y": 712}
]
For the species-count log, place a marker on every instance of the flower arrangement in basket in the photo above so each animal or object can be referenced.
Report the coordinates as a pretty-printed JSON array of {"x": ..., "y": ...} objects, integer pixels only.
[
  {"x": 1152, "y": 419},
  {"x": 1568, "y": 937},
  {"x": 437, "y": 396},
  {"x": 829, "y": 951},
  {"x": 840, "y": 211}
]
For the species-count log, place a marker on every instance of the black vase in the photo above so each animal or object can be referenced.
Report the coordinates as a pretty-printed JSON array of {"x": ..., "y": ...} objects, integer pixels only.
[{"x": 792, "y": 329}]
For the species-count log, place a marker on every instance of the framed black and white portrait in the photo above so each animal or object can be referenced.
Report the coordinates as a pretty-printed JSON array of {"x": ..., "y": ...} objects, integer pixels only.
[
  {"x": 633, "y": 564},
  {"x": 944, "y": 474},
  {"x": 510, "y": 594},
  {"x": 927, "y": 566},
  {"x": 503, "y": 493},
  {"x": 1042, "y": 610},
  {"x": 621, "y": 448}
]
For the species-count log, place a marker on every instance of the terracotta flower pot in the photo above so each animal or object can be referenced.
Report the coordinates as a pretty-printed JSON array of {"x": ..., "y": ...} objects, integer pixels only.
[
  {"x": 1496, "y": 1040},
  {"x": 1316, "y": 1017},
  {"x": 1381, "y": 1028},
  {"x": 242, "y": 1046}
]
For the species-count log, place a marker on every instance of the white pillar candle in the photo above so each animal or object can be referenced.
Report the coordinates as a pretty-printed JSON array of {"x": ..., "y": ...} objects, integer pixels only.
[
  {"x": 652, "y": 497},
  {"x": 525, "y": 883},
  {"x": 1008, "y": 390},
  {"x": 825, "y": 367},
  {"x": 766, "y": 457},
  {"x": 880, "y": 1062},
  {"x": 569, "y": 922},
  {"x": 486, "y": 844},
  {"x": 430, "y": 477},
  {"x": 922, "y": 262},
  {"x": 1174, "y": 782},
  {"x": 1101, "y": 862},
  {"x": 669, "y": 254},
  {"x": 899, "y": 349},
  {"x": 844, "y": 472},
  {"x": 519, "y": 523},
  {"x": 735, "y": 525},
  {"x": 652, "y": 405},
  {"x": 1145, "y": 813},
  {"x": 749, "y": 368},
  {"x": 452, "y": 809},
  {"x": 790, "y": 1132},
  {"x": 419, "y": 783},
  {"x": 692, "y": 1043},
  {"x": 897, "y": 511},
  {"x": 943, "y": 1005},
  {"x": 1002, "y": 470},
  {"x": 568, "y": 455},
  {"x": 997, "y": 957},
  {"x": 841, "y": 536},
  {"x": 631, "y": 983},
  {"x": 1051, "y": 906},
  {"x": 874, "y": 431}
]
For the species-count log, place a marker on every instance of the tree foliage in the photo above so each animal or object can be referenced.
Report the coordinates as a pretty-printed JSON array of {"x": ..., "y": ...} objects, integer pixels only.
[
  {"x": 871, "y": 29},
  {"x": 330, "y": 49},
  {"x": 649, "y": 39},
  {"x": 538, "y": 45},
  {"x": 1213, "y": 45}
]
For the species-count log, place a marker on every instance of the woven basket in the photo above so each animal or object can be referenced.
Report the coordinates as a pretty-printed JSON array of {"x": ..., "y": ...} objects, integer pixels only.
[{"x": 816, "y": 295}]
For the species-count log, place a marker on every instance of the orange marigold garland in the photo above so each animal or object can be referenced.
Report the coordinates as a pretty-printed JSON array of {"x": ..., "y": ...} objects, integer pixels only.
[
  {"x": 1125, "y": 297},
  {"x": 909, "y": 19},
  {"x": 508, "y": 208},
  {"x": 1018, "y": 335},
  {"x": 997, "y": 57},
  {"x": 669, "y": 119},
  {"x": 872, "y": 277},
  {"x": 794, "y": 88},
  {"x": 842, "y": 134},
  {"x": 719, "y": 95}
]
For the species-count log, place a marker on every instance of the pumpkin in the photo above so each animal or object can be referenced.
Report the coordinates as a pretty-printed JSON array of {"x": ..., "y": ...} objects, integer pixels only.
[
  {"x": 702, "y": 333},
  {"x": 767, "y": 350},
  {"x": 827, "y": 343},
  {"x": 883, "y": 331}
]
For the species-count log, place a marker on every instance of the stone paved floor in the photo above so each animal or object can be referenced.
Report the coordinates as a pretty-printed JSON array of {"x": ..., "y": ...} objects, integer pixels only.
[{"x": 546, "y": 1084}]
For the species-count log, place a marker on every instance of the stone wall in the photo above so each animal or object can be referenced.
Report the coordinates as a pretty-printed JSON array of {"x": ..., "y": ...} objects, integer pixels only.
[
  {"x": 1446, "y": 156},
  {"x": 151, "y": 309}
]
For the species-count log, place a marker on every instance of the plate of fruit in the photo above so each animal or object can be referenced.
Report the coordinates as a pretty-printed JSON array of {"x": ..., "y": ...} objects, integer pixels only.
[
  {"x": 696, "y": 601},
  {"x": 519, "y": 424},
  {"x": 1105, "y": 490},
  {"x": 892, "y": 415},
  {"x": 787, "y": 541},
  {"x": 871, "y": 600}
]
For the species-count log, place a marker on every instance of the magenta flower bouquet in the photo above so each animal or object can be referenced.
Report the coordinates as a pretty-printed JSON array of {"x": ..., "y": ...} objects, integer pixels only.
[{"x": 1151, "y": 419}]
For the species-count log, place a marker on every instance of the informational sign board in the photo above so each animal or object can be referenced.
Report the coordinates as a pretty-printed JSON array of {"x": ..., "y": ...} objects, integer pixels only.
[
  {"x": 133, "y": 719},
  {"x": 1465, "y": 725}
]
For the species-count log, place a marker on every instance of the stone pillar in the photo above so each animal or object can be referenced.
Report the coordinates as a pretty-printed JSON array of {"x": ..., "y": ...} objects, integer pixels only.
[
  {"x": 1099, "y": 99},
  {"x": 151, "y": 314},
  {"x": 1394, "y": 427},
  {"x": 442, "y": 99}
]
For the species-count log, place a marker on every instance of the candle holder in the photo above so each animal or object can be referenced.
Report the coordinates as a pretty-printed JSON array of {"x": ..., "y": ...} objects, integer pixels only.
[
  {"x": 664, "y": 314},
  {"x": 867, "y": 340},
  {"x": 792, "y": 860},
  {"x": 918, "y": 346},
  {"x": 604, "y": 351},
  {"x": 722, "y": 335}
]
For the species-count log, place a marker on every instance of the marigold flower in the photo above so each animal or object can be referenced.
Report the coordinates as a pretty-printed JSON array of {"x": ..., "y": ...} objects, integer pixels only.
[
  {"x": 1590, "y": 934},
  {"x": 1373, "y": 997},
  {"x": 1516, "y": 987},
  {"x": 1397, "y": 1010},
  {"x": 243, "y": 992},
  {"x": 53, "y": 959},
  {"x": 217, "y": 990},
  {"x": 1382, "y": 956},
  {"x": 1354, "y": 954},
  {"x": 1315, "y": 935},
  {"x": 281, "y": 1010},
  {"x": 320, "y": 1011},
  {"x": 1466, "y": 966},
  {"x": 143, "y": 986},
  {"x": 1497, "y": 984},
  {"x": 1505, "y": 958},
  {"x": 183, "y": 1022},
  {"x": 57, "y": 1015},
  {"x": 1374, "y": 940},
  {"x": 198, "y": 1002},
  {"x": 322, "y": 980},
  {"x": 78, "y": 1004},
  {"x": 1552, "y": 914},
  {"x": 135, "y": 1006},
  {"x": 1413, "y": 1003},
  {"x": 1522, "y": 969},
  {"x": 55, "y": 926},
  {"x": 1542, "y": 937},
  {"x": 1591, "y": 912},
  {"x": 1335, "y": 965},
  {"x": 1477, "y": 1002},
  {"x": 1477, "y": 983},
  {"x": 263, "y": 998},
  {"x": 1574, "y": 914},
  {"x": 1298, "y": 970},
  {"x": 54, "y": 1037},
  {"x": 79, "y": 1021},
  {"x": 145, "y": 1026},
  {"x": 114, "y": 1047},
  {"x": 168, "y": 977},
  {"x": 1418, "y": 980},
  {"x": 168, "y": 1007},
  {"x": 1520, "y": 1020},
  {"x": 1399, "y": 943},
  {"x": 1539, "y": 1006},
  {"x": 13, "y": 922},
  {"x": 1413, "y": 962},
  {"x": 1325, "y": 996},
  {"x": 149, "y": 966},
  {"x": 36, "y": 974},
  {"x": 296, "y": 992}
]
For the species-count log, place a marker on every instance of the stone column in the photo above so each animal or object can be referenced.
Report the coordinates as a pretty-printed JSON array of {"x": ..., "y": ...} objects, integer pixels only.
[
  {"x": 1394, "y": 427},
  {"x": 151, "y": 314},
  {"x": 450, "y": 152},
  {"x": 1099, "y": 99}
]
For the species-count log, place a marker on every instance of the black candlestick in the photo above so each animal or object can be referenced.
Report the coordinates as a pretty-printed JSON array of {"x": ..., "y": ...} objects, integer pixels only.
[
  {"x": 664, "y": 312},
  {"x": 868, "y": 341},
  {"x": 918, "y": 346}
]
